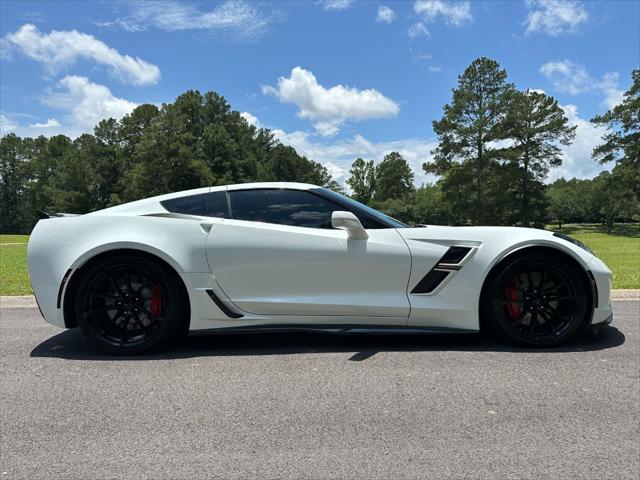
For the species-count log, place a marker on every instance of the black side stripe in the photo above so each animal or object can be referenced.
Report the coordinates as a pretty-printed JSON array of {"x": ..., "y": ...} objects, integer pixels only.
[{"x": 222, "y": 306}]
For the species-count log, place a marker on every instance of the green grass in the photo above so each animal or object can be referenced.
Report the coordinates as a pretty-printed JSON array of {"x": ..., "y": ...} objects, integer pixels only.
[
  {"x": 14, "y": 279},
  {"x": 620, "y": 250}
]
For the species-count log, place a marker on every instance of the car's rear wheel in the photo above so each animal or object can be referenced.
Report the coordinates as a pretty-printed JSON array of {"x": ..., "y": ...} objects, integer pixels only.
[
  {"x": 127, "y": 304},
  {"x": 538, "y": 300}
]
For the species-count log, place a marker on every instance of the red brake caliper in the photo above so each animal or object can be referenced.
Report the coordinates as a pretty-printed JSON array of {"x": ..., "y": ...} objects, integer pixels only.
[
  {"x": 513, "y": 309},
  {"x": 156, "y": 302}
]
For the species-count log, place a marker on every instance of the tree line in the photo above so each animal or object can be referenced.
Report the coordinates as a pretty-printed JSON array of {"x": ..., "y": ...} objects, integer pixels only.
[
  {"x": 196, "y": 141},
  {"x": 496, "y": 146}
]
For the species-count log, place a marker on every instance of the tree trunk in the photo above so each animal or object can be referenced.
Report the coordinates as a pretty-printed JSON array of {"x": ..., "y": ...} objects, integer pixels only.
[
  {"x": 525, "y": 188},
  {"x": 479, "y": 179},
  {"x": 609, "y": 224}
]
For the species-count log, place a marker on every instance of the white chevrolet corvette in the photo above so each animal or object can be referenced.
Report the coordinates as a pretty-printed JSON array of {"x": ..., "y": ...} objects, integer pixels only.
[{"x": 269, "y": 256}]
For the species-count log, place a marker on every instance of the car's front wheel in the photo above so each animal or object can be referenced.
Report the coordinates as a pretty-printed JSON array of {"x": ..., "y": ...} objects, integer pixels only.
[
  {"x": 126, "y": 304},
  {"x": 538, "y": 300}
]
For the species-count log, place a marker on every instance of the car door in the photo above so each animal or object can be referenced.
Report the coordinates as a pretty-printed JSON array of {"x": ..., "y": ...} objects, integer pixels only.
[{"x": 277, "y": 255}]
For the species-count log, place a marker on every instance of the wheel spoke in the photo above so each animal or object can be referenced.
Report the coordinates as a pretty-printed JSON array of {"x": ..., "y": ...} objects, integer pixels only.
[
  {"x": 123, "y": 327},
  {"x": 149, "y": 314},
  {"x": 106, "y": 296},
  {"x": 558, "y": 299},
  {"x": 127, "y": 280},
  {"x": 115, "y": 285},
  {"x": 555, "y": 287},
  {"x": 530, "y": 280},
  {"x": 140, "y": 324},
  {"x": 520, "y": 318},
  {"x": 91, "y": 311},
  {"x": 543, "y": 277}
]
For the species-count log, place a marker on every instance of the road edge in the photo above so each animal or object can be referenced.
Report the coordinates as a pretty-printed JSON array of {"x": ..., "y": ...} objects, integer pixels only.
[{"x": 28, "y": 301}]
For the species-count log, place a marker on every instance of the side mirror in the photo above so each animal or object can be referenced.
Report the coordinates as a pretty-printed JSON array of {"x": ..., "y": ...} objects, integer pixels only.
[{"x": 349, "y": 222}]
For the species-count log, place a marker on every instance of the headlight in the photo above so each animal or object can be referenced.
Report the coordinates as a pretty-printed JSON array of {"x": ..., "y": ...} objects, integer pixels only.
[{"x": 576, "y": 242}]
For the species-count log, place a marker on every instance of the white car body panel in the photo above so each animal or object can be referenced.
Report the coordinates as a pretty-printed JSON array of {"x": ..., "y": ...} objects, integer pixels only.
[
  {"x": 283, "y": 275},
  {"x": 273, "y": 269}
]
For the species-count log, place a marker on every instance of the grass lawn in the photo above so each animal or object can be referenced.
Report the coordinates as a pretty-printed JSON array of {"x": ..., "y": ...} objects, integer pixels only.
[
  {"x": 620, "y": 250},
  {"x": 14, "y": 279}
]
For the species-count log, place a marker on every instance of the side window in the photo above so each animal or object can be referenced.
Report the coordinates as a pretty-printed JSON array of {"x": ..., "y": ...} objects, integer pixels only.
[
  {"x": 285, "y": 207},
  {"x": 212, "y": 204},
  {"x": 217, "y": 205}
]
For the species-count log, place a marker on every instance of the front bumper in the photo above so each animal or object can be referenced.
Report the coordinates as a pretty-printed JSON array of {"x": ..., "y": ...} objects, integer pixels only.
[
  {"x": 606, "y": 321},
  {"x": 603, "y": 312}
]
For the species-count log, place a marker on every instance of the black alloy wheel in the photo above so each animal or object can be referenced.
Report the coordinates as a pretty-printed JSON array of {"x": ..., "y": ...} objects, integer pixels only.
[
  {"x": 127, "y": 304},
  {"x": 538, "y": 300}
]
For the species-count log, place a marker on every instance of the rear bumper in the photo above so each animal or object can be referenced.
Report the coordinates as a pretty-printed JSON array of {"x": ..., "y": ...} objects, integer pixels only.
[{"x": 46, "y": 270}]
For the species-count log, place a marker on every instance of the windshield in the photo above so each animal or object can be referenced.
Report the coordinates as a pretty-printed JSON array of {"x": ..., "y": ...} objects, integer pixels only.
[{"x": 357, "y": 207}]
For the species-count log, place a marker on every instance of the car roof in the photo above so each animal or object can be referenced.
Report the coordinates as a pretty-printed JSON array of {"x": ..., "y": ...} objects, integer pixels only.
[
  {"x": 151, "y": 204},
  {"x": 256, "y": 185}
]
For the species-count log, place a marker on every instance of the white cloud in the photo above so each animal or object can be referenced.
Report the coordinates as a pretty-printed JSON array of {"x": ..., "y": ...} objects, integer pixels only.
[
  {"x": 573, "y": 78},
  {"x": 6, "y": 125},
  {"x": 251, "y": 119},
  {"x": 613, "y": 94},
  {"x": 338, "y": 156},
  {"x": 238, "y": 19},
  {"x": 567, "y": 76},
  {"x": 422, "y": 56},
  {"x": 50, "y": 123},
  {"x": 453, "y": 13},
  {"x": 555, "y": 17},
  {"x": 60, "y": 49},
  {"x": 418, "y": 30},
  {"x": 435, "y": 68},
  {"x": 385, "y": 14},
  {"x": 576, "y": 158},
  {"x": 85, "y": 104},
  {"x": 329, "y": 108},
  {"x": 336, "y": 4}
]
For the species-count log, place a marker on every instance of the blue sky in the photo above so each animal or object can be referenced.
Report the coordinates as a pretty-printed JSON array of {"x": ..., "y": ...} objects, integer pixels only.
[{"x": 336, "y": 79}]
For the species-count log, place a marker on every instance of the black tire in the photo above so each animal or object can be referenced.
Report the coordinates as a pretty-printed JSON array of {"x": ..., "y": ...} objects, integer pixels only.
[
  {"x": 128, "y": 304},
  {"x": 538, "y": 300}
]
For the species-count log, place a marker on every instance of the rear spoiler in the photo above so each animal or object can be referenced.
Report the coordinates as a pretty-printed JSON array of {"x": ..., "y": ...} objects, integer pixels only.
[{"x": 44, "y": 215}]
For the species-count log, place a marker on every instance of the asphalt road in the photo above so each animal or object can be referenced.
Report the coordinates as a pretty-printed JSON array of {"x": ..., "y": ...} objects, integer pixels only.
[{"x": 319, "y": 406}]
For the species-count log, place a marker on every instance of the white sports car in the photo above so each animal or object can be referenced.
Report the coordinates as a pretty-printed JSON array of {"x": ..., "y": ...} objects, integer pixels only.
[{"x": 269, "y": 256}]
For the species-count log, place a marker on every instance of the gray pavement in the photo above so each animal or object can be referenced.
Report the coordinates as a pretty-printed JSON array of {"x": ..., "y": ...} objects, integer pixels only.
[{"x": 319, "y": 406}]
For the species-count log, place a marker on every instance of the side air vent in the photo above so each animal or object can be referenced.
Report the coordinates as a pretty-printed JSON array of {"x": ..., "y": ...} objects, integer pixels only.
[
  {"x": 455, "y": 255},
  {"x": 430, "y": 281},
  {"x": 449, "y": 263},
  {"x": 221, "y": 305}
]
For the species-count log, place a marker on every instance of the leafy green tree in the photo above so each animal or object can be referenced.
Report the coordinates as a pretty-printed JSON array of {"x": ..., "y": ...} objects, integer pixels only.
[
  {"x": 402, "y": 209},
  {"x": 430, "y": 206},
  {"x": 615, "y": 203},
  {"x": 13, "y": 182},
  {"x": 622, "y": 143},
  {"x": 393, "y": 178},
  {"x": 468, "y": 133},
  {"x": 362, "y": 180},
  {"x": 537, "y": 125},
  {"x": 561, "y": 196},
  {"x": 74, "y": 186}
]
